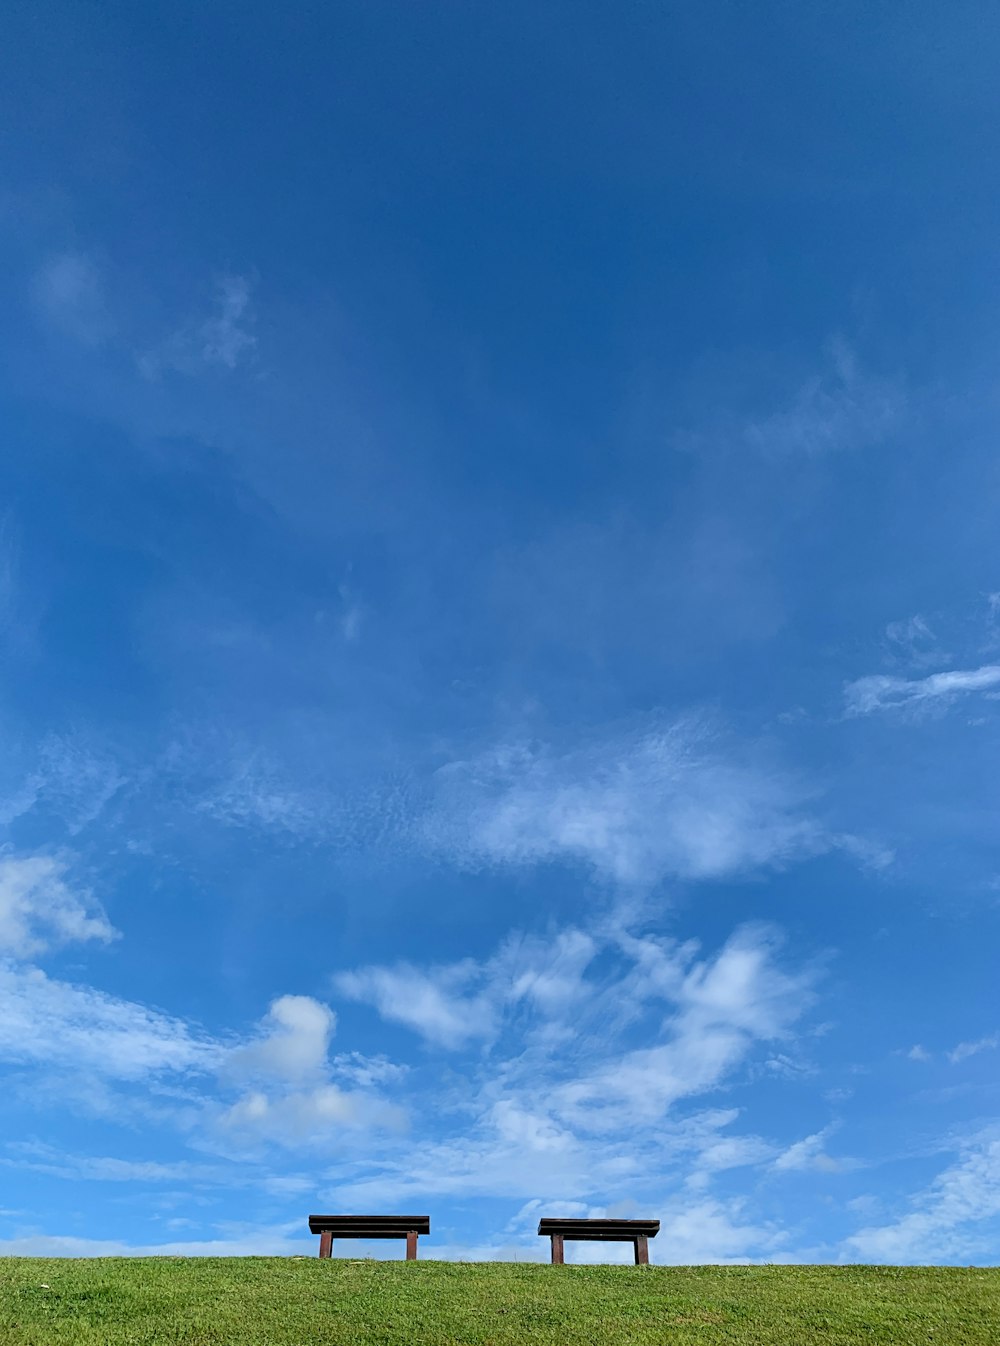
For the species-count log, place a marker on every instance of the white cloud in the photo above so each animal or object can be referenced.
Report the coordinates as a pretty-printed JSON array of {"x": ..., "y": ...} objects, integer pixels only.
[
  {"x": 225, "y": 336},
  {"x": 636, "y": 807},
  {"x": 257, "y": 794},
  {"x": 942, "y": 1227},
  {"x": 40, "y": 1158},
  {"x": 54, "y": 1023},
  {"x": 39, "y": 909},
  {"x": 68, "y": 776},
  {"x": 842, "y": 410},
  {"x": 96, "y": 1049},
  {"x": 430, "y": 1002},
  {"x": 69, "y": 292},
  {"x": 308, "y": 1116},
  {"x": 912, "y": 641},
  {"x": 455, "y": 1004},
  {"x": 721, "y": 1008},
  {"x": 294, "y": 1043},
  {"x": 909, "y": 632},
  {"x": 565, "y": 1105},
  {"x": 367, "y": 1071},
  {"x": 918, "y": 1053},
  {"x": 694, "y": 1233},
  {"x": 966, "y": 1049},
  {"x": 883, "y": 692},
  {"x": 223, "y": 339},
  {"x": 295, "y": 1098},
  {"x": 268, "y": 1241},
  {"x": 808, "y": 1155}
]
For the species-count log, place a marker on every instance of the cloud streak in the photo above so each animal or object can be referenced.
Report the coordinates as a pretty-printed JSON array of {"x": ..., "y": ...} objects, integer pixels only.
[
  {"x": 634, "y": 807},
  {"x": 883, "y": 692}
]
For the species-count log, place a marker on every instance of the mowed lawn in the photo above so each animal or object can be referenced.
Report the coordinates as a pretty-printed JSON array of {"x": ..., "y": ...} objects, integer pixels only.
[{"x": 289, "y": 1302}]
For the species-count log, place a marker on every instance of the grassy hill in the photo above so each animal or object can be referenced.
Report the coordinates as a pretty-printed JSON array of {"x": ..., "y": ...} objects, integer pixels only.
[{"x": 288, "y": 1302}]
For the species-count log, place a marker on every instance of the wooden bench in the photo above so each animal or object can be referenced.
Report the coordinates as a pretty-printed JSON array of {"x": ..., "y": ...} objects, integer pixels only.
[
  {"x": 636, "y": 1232},
  {"x": 408, "y": 1227}
]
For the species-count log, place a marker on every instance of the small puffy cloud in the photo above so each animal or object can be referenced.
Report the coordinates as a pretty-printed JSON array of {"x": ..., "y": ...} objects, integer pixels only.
[
  {"x": 69, "y": 293},
  {"x": 883, "y": 692},
  {"x": 39, "y": 909},
  {"x": 297, "y": 1095},
  {"x": 918, "y": 1053},
  {"x": 293, "y": 1044}
]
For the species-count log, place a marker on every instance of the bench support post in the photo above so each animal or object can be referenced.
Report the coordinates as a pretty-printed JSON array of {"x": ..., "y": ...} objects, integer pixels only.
[
  {"x": 326, "y": 1243},
  {"x": 411, "y": 1245},
  {"x": 557, "y": 1250},
  {"x": 642, "y": 1251}
]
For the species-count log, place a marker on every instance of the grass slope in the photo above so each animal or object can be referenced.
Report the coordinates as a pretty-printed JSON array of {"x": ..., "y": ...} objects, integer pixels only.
[{"x": 285, "y": 1302}]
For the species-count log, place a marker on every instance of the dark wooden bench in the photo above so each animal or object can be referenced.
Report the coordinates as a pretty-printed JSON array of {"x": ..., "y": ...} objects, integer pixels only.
[
  {"x": 636, "y": 1232},
  {"x": 408, "y": 1227}
]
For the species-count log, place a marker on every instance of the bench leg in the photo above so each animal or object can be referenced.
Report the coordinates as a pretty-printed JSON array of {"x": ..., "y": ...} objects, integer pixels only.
[
  {"x": 411, "y": 1246},
  {"x": 326, "y": 1243},
  {"x": 642, "y": 1251},
  {"x": 557, "y": 1250}
]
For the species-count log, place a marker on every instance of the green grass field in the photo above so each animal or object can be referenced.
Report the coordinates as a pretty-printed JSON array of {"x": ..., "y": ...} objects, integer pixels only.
[{"x": 287, "y": 1302}]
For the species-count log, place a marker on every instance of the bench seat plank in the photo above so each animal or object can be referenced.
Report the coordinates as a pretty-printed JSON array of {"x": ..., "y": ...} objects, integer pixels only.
[
  {"x": 599, "y": 1229},
  {"x": 374, "y": 1226}
]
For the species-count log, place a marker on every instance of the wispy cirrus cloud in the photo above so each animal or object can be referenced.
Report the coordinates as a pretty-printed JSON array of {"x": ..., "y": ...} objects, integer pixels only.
[
  {"x": 565, "y": 1079},
  {"x": 843, "y": 409},
  {"x": 947, "y": 1219},
  {"x": 964, "y": 1050},
  {"x": 41, "y": 908},
  {"x": 884, "y": 692},
  {"x": 68, "y": 775},
  {"x": 912, "y": 641},
  {"x": 223, "y": 339},
  {"x": 54, "y": 1023},
  {"x": 636, "y": 806}
]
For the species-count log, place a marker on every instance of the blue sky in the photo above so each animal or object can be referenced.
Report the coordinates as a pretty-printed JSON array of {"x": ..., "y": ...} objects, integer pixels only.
[{"x": 500, "y": 611}]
